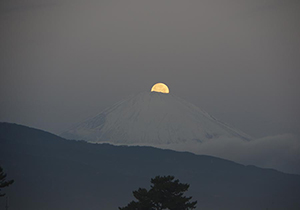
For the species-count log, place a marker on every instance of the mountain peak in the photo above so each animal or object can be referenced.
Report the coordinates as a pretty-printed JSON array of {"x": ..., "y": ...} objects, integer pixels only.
[{"x": 152, "y": 118}]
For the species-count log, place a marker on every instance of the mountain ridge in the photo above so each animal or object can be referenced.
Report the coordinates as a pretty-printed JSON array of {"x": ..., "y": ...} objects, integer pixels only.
[{"x": 54, "y": 173}]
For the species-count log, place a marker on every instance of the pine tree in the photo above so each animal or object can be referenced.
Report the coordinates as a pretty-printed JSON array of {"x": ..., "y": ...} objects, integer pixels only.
[
  {"x": 4, "y": 183},
  {"x": 165, "y": 193}
]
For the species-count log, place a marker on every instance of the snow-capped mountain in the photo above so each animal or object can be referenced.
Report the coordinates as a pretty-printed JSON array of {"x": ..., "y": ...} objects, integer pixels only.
[{"x": 152, "y": 118}]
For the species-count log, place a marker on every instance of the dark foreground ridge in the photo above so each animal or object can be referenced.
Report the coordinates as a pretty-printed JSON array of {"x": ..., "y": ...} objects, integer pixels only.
[{"x": 52, "y": 173}]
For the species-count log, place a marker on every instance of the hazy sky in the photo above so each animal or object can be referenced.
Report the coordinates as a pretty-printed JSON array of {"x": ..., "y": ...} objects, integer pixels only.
[{"x": 63, "y": 61}]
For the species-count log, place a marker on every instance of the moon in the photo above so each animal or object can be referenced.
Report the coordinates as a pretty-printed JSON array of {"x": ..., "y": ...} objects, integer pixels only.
[{"x": 160, "y": 87}]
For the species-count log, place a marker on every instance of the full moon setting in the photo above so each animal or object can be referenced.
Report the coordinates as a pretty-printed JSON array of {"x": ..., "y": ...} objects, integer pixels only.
[{"x": 160, "y": 87}]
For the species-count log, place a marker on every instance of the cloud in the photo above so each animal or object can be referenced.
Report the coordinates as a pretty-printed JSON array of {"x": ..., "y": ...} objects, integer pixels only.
[{"x": 280, "y": 152}]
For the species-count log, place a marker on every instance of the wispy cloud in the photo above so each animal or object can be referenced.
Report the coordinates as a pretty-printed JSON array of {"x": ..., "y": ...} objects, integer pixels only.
[{"x": 280, "y": 152}]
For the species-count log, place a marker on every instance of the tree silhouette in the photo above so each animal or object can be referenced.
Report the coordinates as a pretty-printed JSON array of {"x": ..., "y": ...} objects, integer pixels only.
[
  {"x": 165, "y": 193},
  {"x": 4, "y": 183}
]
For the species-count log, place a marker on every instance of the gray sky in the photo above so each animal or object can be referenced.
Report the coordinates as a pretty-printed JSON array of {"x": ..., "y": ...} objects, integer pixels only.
[{"x": 64, "y": 61}]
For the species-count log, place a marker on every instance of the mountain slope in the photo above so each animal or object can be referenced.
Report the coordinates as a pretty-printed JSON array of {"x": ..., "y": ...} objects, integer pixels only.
[
  {"x": 53, "y": 173},
  {"x": 152, "y": 118}
]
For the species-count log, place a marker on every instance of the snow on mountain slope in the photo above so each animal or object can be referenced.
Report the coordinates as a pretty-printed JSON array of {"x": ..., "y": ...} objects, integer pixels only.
[{"x": 152, "y": 118}]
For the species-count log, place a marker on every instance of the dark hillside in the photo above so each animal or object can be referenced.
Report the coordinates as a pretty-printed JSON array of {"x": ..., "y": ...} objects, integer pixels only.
[{"x": 52, "y": 173}]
